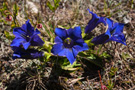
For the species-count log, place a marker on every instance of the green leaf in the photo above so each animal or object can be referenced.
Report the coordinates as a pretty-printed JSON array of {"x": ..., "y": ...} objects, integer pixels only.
[
  {"x": 13, "y": 25},
  {"x": 110, "y": 85},
  {"x": 5, "y": 6},
  {"x": 113, "y": 71},
  {"x": 1, "y": 20},
  {"x": 99, "y": 49},
  {"x": 89, "y": 42},
  {"x": 92, "y": 56},
  {"x": 50, "y": 6},
  {"x": 56, "y": 3},
  {"x": 47, "y": 55},
  {"x": 71, "y": 67},
  {"x": 15, "y": 9},
  {"x": 4, "y": 11},
  {"x": 15, "y": 13},
  {"x": 8, "y": 36},
  {"x": 125, "y": 55},
  {"x": 47, "y": 46},
  {"x": 48, "y": 32},
  {"x": 51, "y": 29},
  {"x": 105, "y": 55}
]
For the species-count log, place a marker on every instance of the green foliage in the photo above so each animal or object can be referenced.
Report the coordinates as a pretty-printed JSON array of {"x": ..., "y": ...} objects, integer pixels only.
[
  {"x": 4, "y": 21},
  {"x": 125, "y": 55},
  {"x": 110, "y": 85},
  {"x": 13, "y": 25},
  {"x": 5, "y": 6},
  {"x": 4, "y": 11},
  {"x": 15, "y": 13},
  {"x": 132, "y": 4},
  {"x": 94, "y": 56},
  {"x": 89, "y": 42},
  {"x": 15, "y": 9},
  {"x": 8, "y": 36},
  {"x": 113, "y": 71},
  {"x": 51, "y": 7},
  {"x": 70, "y": 67},
  {"x": 47, "y": 45},
  {"x": 49, "y": 31},
  {"x": 65, "y": 64},
  {"x": 105, "y": 55},
  {"x": 47, "y": 51}
]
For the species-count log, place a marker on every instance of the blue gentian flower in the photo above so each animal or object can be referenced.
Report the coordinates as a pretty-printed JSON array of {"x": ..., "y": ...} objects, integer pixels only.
[
  {"x": 26, "y": 36},
  {"x": 114, "y": 33},
  {"x": 94, "y": 22},
  {"x": 26, "y": 54},
  {"x": 69, "y": 43}
]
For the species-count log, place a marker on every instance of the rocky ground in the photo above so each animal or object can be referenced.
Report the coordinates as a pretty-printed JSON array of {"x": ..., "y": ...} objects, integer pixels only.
[{"x": 118, "y": 72}]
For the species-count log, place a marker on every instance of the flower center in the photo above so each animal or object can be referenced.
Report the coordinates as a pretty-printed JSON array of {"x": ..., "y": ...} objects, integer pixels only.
[
  {"x": 68, "y": 42},
  {"x": 28, "y": 38}
]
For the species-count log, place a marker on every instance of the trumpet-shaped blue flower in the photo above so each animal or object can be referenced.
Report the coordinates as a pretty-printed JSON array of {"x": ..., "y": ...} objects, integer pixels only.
[
  {"x": 114, "y": 33},
  {"x": 69, "y": 43},
  {"x": 26, "y": 36},
  {"x": 26, "y": 54},
  {"x": 94, "y": 22}
]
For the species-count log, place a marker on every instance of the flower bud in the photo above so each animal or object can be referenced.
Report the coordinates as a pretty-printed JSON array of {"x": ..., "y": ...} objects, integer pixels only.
[
  {"x": 103, "y": 87},
  {"x": 9, "y": 18},
  {"x": 39, "y": 26}
]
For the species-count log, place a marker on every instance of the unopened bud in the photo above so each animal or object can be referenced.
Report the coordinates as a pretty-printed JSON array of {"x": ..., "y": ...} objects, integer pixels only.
[
  {"x": 39, "y": 26},
  {"x": 9, "y": 18}
]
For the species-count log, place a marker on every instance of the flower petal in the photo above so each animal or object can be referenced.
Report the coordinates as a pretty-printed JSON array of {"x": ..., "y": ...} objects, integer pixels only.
[
  {"x": 58, "y": 40},
  {"x": 26, "y": 45},
  {"x": 30, "y": 29},
  {"x": 100, "y": 39},
  {"x": 36, "y": 41},
  {"x": 79, "y": 41},
  {"x": 74, "y": 33},
  {"x": 70, "y": 56},
  {"x": 19, "y": 32},
  {"x": 24, "y": 27},
  {"x": 37, "y": 32},
  {"x": 115, "y": 32},
  {"x": 94, "y": 22},
  {"x": 26, "y": 54},
  {"x": 118, "y": 38},
  {"x": 61, "y": 32},
  {"x": 110, "y": 27},
  {"x": 17, "y": 42},
  {"x": 80, "y": 48},
  {"x": 77, "y": 32},
  {"x": 16, "y": 56},
  {"x": 57, "y": 48},
  {"x": 36, "y": 54},
  {"x": 75, "y": 52},
  {"x": 63, "y": 52},
  {"x": 119, "y": 28},
  {"x": 109, "y": 22}
]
